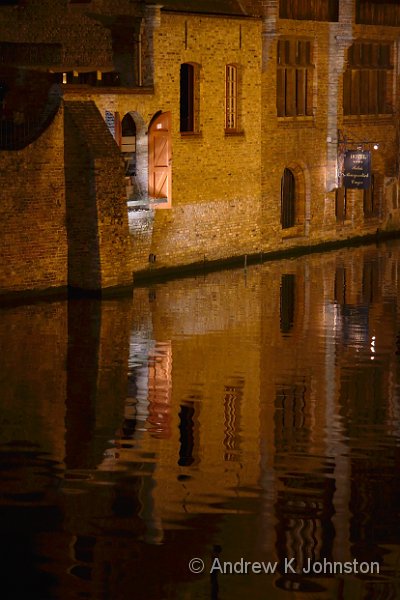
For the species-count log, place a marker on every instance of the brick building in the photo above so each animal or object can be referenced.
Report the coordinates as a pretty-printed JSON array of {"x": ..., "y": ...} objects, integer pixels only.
[{"x": 229, "y": 122}]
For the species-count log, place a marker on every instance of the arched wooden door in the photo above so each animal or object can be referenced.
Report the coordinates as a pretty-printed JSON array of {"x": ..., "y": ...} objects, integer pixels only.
[{"x": 160, "y": 157}]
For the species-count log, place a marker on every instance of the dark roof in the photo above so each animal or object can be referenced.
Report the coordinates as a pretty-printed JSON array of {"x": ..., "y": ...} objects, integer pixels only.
[{"x": 213, "y": 7}]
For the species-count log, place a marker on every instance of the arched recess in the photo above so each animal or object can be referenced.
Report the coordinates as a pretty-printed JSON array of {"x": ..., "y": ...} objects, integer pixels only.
[
  {"x": 295, "y": 190},
  {"x": 134, "y": 148}
]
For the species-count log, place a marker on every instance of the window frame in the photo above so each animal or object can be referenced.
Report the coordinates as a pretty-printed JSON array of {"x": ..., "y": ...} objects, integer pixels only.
[
  {"x": 189, "y": 98},
  {"x": 231, "y": 98},
  {"x": 294, "y": 86},
  {"x": 367, "y": 80}
]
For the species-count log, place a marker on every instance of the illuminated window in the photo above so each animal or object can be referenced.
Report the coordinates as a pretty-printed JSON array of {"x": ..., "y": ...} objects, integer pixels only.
[
  {"x": 189, "y": 98},
  {"x": 367, "y": 81},
  {"x": 288, "y": 199},
  {"x": 294, "y": 78},
  {"x": 231, "y": 98}
]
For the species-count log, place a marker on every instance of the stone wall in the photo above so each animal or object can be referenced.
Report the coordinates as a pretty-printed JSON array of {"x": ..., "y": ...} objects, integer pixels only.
[
  {"x": 33, "y": 241},
  {"x": 97, "y": 218}
]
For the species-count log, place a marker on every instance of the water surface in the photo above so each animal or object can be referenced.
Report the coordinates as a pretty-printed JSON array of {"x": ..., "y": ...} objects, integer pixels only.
[{"x": 236, "y": 416}]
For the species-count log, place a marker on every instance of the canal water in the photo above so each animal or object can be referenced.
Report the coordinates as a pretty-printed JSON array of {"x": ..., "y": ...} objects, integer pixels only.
[{"x": 242, "y": 423}]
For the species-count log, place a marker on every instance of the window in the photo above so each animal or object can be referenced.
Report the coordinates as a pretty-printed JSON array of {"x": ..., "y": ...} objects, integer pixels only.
[
  {"x": 375, "y": 12},
  {"x": 371, "y": 199},
  {"x": 187, "y": 98},
  {"x": 341, "y": 204},
  {"x": 288, "y": 199},
  {"x": 294, "y": 78},
  {"x": 367, "y": 80},
  {"x": 231, "y": 98},
  {"x": 328, "y": 10},
  {"x": 128, "y": 144}
]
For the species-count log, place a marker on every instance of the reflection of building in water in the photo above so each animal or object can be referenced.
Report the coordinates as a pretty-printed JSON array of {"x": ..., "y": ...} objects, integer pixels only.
[
  {"x": 279, "y": 442},
  {"x": 232, "y": 407},
  {"x": 160, "y": 384}
]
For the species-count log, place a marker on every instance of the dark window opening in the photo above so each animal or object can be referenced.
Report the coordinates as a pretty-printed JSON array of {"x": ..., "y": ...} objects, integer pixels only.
[
  {"x": 341, "y": 204},
  {"x": 287, "y": 302},
  {"x": 187, "y": 98},
  {"x": 376, "y": 12},
  {"x": 371, "y": 199},
  {"x": 288, "y": 199},
  {"x": 128, "y": 126},
  {"x": 367, "y": 80},
  {"x": 294, "y": 78},
  {"x": 128, "y": 144},
  {"x": 311, "y": 10}
]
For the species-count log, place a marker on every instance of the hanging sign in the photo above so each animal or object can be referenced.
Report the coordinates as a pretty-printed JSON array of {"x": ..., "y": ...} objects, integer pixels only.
[{"x": 357, "y": 169}]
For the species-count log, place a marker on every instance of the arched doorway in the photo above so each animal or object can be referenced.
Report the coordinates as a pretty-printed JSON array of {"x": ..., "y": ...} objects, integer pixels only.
[
  {"x": 160, "y": 157},
  {"x": 128, "y": 144},
  {"x": 134, "y": 151}
]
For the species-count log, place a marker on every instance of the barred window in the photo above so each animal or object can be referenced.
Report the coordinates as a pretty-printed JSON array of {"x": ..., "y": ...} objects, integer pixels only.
[
  {"x": 367, "y": 80},
  {"x": 294, "y": 78},
  {"x": 231, "y": 98}
]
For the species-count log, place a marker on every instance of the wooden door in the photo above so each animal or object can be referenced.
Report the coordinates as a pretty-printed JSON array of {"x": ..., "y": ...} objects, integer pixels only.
[{"x": 160, "y": 157}]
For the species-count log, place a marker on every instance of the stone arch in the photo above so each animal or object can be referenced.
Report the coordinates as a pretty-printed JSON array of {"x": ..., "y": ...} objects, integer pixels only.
[{"x": 137, "y": 190}]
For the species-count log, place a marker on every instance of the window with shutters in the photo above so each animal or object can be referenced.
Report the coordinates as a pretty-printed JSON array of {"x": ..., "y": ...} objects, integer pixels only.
[
  {"x": 371, "y": 198},
  {"x": 294, "y": 78},
  {"x": 231, "y": 98},
  {"x": 368, "y": 79},
  {"x": 311, "y": 10},
  {"x": 378, "y": 12},
  {"x": 341, "y": 204}
]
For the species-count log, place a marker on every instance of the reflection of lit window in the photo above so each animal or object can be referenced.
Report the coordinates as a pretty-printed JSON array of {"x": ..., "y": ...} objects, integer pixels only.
[
  {"x": 232, "y": 401},
  {"x": 160, "y": 382}
]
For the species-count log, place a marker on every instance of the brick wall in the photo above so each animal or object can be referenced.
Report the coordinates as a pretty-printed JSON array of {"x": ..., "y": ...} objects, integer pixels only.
[
  {"x": 216, "y": 178},
  {"x": 33, "y": 242},
  {"x": 97, "y": 223}
]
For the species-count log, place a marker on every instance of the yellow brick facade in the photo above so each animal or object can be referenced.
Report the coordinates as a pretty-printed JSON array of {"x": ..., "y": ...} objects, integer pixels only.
[{"x": 225, "y": 194}]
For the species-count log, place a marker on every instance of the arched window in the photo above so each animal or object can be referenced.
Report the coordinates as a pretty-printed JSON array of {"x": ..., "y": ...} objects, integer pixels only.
[
  {"x": 128, "y": 144},
  {"x": 187, "y": 98},
  {"x": 128, "y": 126},
  {"x": 288, "y": 199}
]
